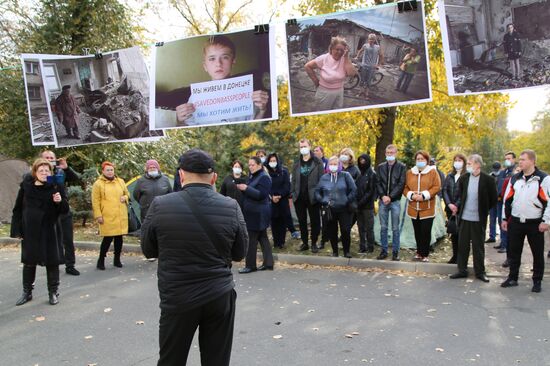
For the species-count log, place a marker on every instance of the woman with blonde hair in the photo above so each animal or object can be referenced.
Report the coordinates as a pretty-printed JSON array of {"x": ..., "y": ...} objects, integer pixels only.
[
  {"x": 40, "y": 202},
  {"x": 334, "y": 67},
  {"x": 110, "y": 207}
]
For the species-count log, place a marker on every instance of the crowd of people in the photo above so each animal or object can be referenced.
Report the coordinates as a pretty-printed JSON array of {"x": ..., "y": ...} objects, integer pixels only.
[{"x": 329, "y": 195}]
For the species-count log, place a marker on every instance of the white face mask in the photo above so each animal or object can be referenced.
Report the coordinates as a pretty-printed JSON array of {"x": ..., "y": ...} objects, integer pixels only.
[
  {"x": 470, "y": 169},
  {"x": 458, "y": 165},
  {"x": 237, "y": 171},
  {"x": 304, "y": 150},
  {"x": 153, "y": 173},
  {"x": 344, "y": 158},
  {"x": 333, "y": 168},
  {"x": 262, "y": 159},
  {"x": 273, "y": 164}
]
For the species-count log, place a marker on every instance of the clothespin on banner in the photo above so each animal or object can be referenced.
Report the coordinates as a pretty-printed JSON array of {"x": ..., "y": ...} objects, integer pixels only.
[
  {"x": 98, "y": 54},
  {"x": 159, "y": 44},
  {"x": 410, "y": 5},
  {"x": 292, "y": 22},
  {"x": 261, "y": 29},
  {"x": 86, "y": 51}
]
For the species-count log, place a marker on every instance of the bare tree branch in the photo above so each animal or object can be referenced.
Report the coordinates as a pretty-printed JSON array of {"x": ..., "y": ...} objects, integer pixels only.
[
  {"x": 208, "y": 12},
  {"x": 187, "y": 14},
  {"x": 230, "y": 20}
]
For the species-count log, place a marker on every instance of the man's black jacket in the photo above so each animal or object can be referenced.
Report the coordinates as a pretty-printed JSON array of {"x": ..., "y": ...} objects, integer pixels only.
[
  {"x": 486, "y": 191},
  {"x": 393, "y": 188},
  {"x": 190, "y": 270}
]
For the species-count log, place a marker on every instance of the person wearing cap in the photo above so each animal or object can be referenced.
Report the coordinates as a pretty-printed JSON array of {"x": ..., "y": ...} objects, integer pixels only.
[
  {"x": 493, "y": 213},
  {"x": 67, "y": 110},
  {"x": 194, "y": 272},
  {"x": 152, "y": 184},
  {"x": 110, "y": 207}
]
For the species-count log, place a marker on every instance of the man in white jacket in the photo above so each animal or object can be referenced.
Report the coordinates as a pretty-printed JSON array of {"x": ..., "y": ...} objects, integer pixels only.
[{"x": 526, "y": 213}]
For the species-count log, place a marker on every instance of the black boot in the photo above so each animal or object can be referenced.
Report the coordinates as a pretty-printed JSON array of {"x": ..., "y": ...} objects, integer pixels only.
[
  {"x": 118, "y": 251},
  {"x": 52, "y": 275},
  {"x": 303, "y": 247},
  {"x": 29, "y": 273},
  {"x": 314, "y": 248},
  {"x": 101, "y": 263}
]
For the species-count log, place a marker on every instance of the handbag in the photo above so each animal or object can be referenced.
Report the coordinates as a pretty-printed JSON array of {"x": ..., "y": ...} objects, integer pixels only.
[
  {"x": 207, "y": 228},
  {"x": 133, "y": 222},
  {"x": 326, "y": 213},
  {"x": 452, "y": 225}
]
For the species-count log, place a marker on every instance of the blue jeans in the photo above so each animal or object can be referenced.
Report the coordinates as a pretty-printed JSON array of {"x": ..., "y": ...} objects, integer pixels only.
[
  {"x": 384, "y": 214},
  {"x": 503, "y": 234},
  {"x": 404, "y": 81},
  {"x": 493, "y": 223},
  {"x": 367, "y": 72}
]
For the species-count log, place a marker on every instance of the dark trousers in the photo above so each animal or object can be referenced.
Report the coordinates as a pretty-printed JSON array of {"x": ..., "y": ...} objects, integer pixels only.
[
  {"x": 106, "y": 243},
  {"x": 493, "y": 223},
  {"x": 288, "y": 219},
  {"x": 303, "y": 207},
  {"x": 255, "y": 237},
  {"x": 517, "y": 232},
  {"x": 52, "y": 277},
  {"x": 278, "y": 229},
  {"x": 365, "y": 223},
  {"x": 474, "y": 232},
  {"x": 423, "y": 235},
  {"x": 342, "y": 219},
  {"x": 404, "y": 80},
  {"x": 66, "y": 222},
  {"x": 215, "y": 321},
  {"x": 454, "y": 242}
]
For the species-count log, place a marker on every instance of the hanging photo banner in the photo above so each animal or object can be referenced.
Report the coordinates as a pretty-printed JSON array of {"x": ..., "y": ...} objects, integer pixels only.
[
  {"x": 37, "y": 103},
  {"x": 214, "y": 80},
  {"x": 495, "y": 45},
  {"x": 93, "y": 99},
  {"x": 367, "y": 58}
]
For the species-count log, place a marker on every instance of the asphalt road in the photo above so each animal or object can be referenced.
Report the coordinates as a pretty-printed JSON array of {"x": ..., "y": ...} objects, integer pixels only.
[{"x": 291, "y": 316}]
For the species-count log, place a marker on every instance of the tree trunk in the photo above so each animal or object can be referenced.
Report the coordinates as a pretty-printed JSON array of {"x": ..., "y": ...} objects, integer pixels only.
[{"x": 387, "y": 129}]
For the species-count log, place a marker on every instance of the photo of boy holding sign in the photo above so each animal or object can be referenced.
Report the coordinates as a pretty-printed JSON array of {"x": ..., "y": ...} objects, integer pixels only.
[{"x": 219, "y": 57}]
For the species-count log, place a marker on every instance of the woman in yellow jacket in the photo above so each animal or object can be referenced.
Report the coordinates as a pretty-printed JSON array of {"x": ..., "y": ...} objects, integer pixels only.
[
  {"x": 422, "y": 184},
  {"x": 110, "y": 205}
]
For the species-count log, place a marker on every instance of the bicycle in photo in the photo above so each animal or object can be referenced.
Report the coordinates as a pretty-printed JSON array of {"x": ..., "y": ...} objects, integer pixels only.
[{"x": 353, "y": 81}]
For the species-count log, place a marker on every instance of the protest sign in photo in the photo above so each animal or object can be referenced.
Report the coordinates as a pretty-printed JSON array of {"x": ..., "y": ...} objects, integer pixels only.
[{"x": 214, "y": 80}]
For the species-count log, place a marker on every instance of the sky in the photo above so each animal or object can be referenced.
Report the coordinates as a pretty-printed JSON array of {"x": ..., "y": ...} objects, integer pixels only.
[
  {"x": 528, "y": 102},
  {"x": 384, "y": 19}
]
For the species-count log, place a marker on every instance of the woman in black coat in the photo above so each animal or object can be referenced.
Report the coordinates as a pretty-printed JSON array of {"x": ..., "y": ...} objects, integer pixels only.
[
  {"x": 366, "y": 195},
  {"x": 229, "y": 184},
  {"x": 257, "y": 214},
  {"x": 39, "y": 203},
  {"x": 450, "y": 187},
  {"x": 280, "y": 191}
]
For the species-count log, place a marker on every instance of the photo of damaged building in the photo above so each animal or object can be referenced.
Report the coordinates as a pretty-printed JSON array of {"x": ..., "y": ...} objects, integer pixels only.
[
  {"x": 40, "y": 124},
  {"x": 306, "y": 41},
  {"x": 99, "y": 99},
  {"x": 483, "y": 57}
]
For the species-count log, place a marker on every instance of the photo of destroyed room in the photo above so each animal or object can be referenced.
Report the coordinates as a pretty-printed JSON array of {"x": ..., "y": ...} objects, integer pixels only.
[
  {"x": 96, "y": 100},
  {"x": 495, "y": 45}
]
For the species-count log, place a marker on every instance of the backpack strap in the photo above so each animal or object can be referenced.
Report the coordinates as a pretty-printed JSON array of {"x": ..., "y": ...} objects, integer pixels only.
[{"x": 205, "y": 224}]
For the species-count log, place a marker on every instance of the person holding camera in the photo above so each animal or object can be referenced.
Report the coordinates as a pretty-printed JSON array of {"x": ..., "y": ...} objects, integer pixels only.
[
  {"x": 336, "y": 192},
  {"x": 40, "y": 201},
  {"x": 229, "y": 184},
  {"x": 62, "y": 169}
]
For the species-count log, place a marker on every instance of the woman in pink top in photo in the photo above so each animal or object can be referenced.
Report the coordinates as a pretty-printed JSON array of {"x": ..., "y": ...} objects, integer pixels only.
[{"x": 334, "y": 67}]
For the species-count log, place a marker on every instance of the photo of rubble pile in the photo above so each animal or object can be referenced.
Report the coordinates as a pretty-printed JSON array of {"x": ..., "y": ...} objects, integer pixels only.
[
  {"x": 98, "y": 99},
  {"x": 495, "y": 45},
  {"x": 39, "y": 118},
  {"x": 387, "y": 66}
]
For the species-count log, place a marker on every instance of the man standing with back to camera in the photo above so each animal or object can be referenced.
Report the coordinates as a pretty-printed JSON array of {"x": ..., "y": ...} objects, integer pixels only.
[{"x": 195, "y": 233}]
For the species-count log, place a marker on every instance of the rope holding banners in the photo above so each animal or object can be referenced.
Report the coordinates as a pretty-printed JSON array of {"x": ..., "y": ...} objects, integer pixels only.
[
  {"x": 261, "y": 29},
  {"x": 410, "y": 5}
]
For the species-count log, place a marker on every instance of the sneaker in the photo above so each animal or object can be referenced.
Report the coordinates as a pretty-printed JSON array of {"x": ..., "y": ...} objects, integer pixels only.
[
  {"x": 296, "y": 235},
  {"x": 72, "y": 271},
  {"x": 303, "y": 247},
  {"x": 509, "y": 283},
  {"x": 536, "y": 286},
  {"x": 417, "y": 257},
  {"x": 490, "y": 240},
  {"x": 383, "y": 255},
  {"x": 425, "y": 259}
]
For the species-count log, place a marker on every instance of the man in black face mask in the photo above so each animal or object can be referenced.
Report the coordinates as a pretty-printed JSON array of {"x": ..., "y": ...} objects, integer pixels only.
[{"x": 366, "y": 194}]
